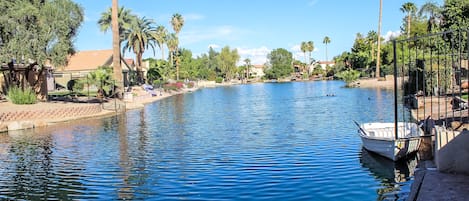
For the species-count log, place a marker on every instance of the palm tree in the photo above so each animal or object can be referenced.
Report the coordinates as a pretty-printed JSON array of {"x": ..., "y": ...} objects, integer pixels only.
[
  {"x": 379, "y": 39},
  {"x": 310, "y": 49},
  {"x": 125, "y": 18},
  {"x": 172, "y": 42},
  {"x": 138, "y": 38},
  {"x": 248, "y": 65},
  {"x": 160, "y": 36},
  {"x": 116, "y": 50},
  {"x": 177, "y": 21},
  {"x": 326, "y": 41},
  {"x": 409, "y": 8},
  {"x": 434, "y": 15},
  {"x": 304, "y": 49}
]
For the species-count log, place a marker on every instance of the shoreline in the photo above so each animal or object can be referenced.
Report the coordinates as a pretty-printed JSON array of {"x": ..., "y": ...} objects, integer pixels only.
[
  {"x": 9, "y": 109},
  {"x": 137, "y": 102}
]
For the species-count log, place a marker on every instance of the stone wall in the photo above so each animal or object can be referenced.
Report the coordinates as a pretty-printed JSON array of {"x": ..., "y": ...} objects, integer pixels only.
[{"x": 55, "y": 113}]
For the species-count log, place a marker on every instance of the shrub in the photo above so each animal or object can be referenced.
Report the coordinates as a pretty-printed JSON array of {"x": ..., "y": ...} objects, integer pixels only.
[
  {"x": 173, "y": 86},
  {"x": 21, "y": 97},
  {"x": 349, "y": 76},
  {"x": 219, "y": 80},
  {"x": 190, "y": 85},
  {"x": 158, "y": 83}
]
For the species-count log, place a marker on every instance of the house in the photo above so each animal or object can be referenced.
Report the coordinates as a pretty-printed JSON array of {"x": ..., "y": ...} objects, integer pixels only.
[
  {"x": 82, "y": 63},
  {"x": 323, "y": 64},
  {"x": 257, "y": 71}
]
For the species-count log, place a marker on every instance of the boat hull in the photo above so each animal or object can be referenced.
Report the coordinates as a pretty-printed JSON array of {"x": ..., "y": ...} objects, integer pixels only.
[
  {"x": 380, "y": 138},
  {"x": 392, "y": 149}
]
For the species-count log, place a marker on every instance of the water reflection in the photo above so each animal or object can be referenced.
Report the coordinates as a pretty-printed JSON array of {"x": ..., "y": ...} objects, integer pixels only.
[
  {"x": 393, "y": 175},
  {"x": 250, "y": 142}
]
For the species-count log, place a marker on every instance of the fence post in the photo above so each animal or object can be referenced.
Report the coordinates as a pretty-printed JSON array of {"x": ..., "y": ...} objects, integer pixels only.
[{"x": 395, "y": 89}]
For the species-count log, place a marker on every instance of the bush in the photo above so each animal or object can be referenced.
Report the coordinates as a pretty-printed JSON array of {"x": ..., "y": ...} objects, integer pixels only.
[
  {"x": 219, "y": 80},
  {"x": 173, "y": 86},
  {"x": 20, "y": 97},
  {"x": 158, "y": 83},
  {"x": 190, "y": 85},
  {"x": 349, "y": 76}
]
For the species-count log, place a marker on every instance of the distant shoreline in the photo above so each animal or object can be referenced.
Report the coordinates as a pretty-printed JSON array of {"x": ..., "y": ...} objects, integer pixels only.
[{"x": 387, "y": 83}]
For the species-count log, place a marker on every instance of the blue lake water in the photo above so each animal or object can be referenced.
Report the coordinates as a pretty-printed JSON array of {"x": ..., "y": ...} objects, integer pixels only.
[{"x": 274, "y": 141}]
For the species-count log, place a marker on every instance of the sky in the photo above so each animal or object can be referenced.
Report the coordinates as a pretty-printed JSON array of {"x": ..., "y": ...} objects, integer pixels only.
[{"x": 253, "y": 27}]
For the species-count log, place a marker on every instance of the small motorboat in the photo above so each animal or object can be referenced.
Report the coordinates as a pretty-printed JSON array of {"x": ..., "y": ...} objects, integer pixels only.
[{"x": 382, "y": 138}]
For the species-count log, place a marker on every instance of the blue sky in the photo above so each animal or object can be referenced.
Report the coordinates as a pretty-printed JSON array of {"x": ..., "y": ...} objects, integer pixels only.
[{"x": 254, "y": 27}]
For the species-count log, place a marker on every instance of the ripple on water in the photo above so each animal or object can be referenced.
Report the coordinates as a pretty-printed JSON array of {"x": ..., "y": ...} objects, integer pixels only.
[{"x": 250, "y": 142}]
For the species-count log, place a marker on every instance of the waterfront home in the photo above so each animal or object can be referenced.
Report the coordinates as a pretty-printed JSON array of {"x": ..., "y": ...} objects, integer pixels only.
[
  {"x": 84, "y": 62},
  {"x": 257, "y": 71}
]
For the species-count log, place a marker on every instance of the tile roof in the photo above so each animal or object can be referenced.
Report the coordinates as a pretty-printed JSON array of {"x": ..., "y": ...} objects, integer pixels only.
[{"x": 88, "y": 60}]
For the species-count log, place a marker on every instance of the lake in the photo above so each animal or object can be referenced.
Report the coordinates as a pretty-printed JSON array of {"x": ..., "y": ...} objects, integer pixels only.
[{"x": 272, "y": 141}]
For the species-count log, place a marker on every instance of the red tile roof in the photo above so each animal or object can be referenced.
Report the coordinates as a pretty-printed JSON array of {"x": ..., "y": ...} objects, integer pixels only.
[{"x": 88, "y": 60}]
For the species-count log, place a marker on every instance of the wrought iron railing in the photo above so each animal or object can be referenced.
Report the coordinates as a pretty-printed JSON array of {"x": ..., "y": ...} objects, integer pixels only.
[{"x": 432, "y": 76}]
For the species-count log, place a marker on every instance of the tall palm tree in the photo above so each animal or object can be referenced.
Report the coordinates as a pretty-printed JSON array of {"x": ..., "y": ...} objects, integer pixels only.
[
  {"x": 160, "y": 35},
  {"x": 378, "y": 55},
  {"x": 248, "y": 65},
  {"x": 304, "y": 49},
  {"x": 326, "y": 41},
  {"x": 177, "y": 21},
  {"x": 409, "y": 8},
  {"x": 310, "y": 49},
  {"x": 172, "y": 42},
  {"x": 138, "y": 38},
  {"x": 434, "y": 15},
  {"x": 124, "y": 16},
  {"x": 116, "y": 50}
]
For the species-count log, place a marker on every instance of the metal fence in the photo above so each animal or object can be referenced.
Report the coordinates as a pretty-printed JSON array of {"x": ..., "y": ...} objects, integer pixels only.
[{"x": 432, "y": 79}]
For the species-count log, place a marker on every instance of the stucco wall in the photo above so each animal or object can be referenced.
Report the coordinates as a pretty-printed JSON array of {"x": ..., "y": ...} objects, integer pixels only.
[{"x": 452, "y": 151}]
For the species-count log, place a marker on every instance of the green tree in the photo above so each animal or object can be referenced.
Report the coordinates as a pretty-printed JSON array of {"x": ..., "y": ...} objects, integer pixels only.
[
  {"x": 39, "y": 32},
  {"x": 125, "y": 18},
  {"x": 433, "y": 12},
  {"x": 310, "y": 49},
  {"x": 304, "y": 49},
  {"x": 326, "y": 41},
  {"x": 160, "y": 36},
  {"x": 101, "y": 78},
  {"x": 455, "y": 14},
  {"x": 173, "y": 43},
  {"x": 247, "y": 63},
  {"x": 228, "y": 60},
  {"x": 214, "y": 61},
  {"x": 177, "y": 21},
  {"x": 349, "y": 76},
  {"x": 138, "y": 38},
  {"x": 279, "y": 64},
  {"x": 409, "y": 8},
  {"x": 372, "y": 39},
  {"x": 159, "y": 69}
]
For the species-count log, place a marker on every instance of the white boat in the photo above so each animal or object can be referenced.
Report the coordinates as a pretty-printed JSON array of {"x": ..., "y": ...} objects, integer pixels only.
[{"x": 382, "y": 139}]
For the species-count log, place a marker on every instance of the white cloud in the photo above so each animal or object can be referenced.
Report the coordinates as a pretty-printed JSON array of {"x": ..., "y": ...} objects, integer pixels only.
[
  {"x": 391, "y": 35},
  {"x": 193, "y": 17},
  {"x": 211, "y": 34},
  {"x": 256, "y": 55},
  {"x": 214, "y": 46}
]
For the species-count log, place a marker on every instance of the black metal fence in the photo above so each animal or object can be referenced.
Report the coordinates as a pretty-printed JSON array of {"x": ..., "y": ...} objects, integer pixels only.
[{"x": 432, "y": 79}]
